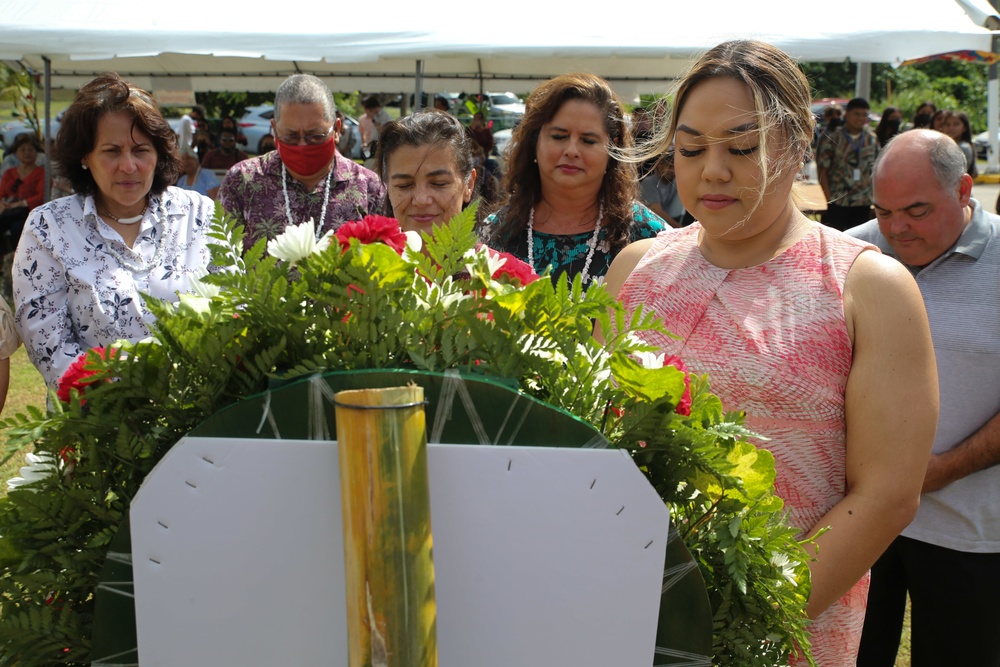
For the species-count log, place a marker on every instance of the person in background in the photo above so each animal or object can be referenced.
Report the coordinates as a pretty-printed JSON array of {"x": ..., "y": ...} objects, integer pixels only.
[
  {"x": 441, "y": 103},
  {"x": 22, "y": 188},
  {"x": 226, "y": 155},
  {"x": 844, "y": 161},
  {"x": 229, "y": 123},
  {"x": 821, "y": 339},
  {"x": 956, "y": 126},
  {"x": 188, "y": 125},
  {"x": 10, "y": 158},
  {"x": 948, "y": 558},
  {"x": 923, "y": 116},
  {"x": 86, "y": 262},
  {"x": 939, "y": 118},
  {"x": 570, "y": 204},
  {"x": 304, "y": 178},
  {"x": 9, "y": 342},
  {"x": 481, "y": 133},
  {"x": 659, "y": 190},
  {"x": 426, "y": 162},
  {"x": 888, "y": 126},
  {"x": 347, "y": 139},
  {"x": 203, "y": 142},
  {"x": 370, "y": 122},
  {"x": 194, "y": 177},
  {"x": 266, "y": 144}
]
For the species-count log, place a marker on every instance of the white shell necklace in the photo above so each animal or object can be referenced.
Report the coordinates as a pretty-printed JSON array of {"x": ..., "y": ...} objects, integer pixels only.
[
  {"x": 143, "y": 266},
  {"x": 125, "y": 221},
  {"x": 326, "y": 199},
  {"x": 591, "y": 244}
]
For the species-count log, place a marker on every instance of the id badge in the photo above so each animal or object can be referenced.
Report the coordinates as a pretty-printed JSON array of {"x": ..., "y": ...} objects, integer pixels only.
[{"x": 857, "y": 174}]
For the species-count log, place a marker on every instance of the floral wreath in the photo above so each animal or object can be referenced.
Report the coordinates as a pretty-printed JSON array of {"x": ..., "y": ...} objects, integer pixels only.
[{"x": 382, "y": 298}]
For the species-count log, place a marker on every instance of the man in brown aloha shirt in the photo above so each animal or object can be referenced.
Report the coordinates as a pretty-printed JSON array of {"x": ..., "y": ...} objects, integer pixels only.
[
  {"x": 305, "y": 177},
  {"x": 844, "y": 161}
]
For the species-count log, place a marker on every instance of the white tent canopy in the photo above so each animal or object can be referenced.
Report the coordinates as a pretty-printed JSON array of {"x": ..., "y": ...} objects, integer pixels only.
[{"x": 639, "y": 47}]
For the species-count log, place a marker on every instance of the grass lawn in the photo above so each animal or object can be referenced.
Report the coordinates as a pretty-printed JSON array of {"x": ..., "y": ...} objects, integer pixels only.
[
  {"x": 26, "y": 388},
  {"x": 60, "y": 100}
]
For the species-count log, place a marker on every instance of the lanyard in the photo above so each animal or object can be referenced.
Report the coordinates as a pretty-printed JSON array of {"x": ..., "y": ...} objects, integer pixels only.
[{"x": 855, "y": 146}]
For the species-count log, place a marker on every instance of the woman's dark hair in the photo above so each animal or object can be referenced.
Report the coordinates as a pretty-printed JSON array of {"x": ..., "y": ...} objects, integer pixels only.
[
  {"x": 109, "y": 93},
  {"x": 940, "y": 114},
  {"x": 522, "y": 183},
  {"x": 884, "y": 131},
  {"x": 925, "y": 103},
  {"x": 430, "y": 127},
  {"x": 966, "y": 126},
  {"x": 25, "y": 138}
]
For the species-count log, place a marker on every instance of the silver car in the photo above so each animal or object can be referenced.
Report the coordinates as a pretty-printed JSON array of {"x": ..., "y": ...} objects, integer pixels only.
[{"x": 256, "y": 122}]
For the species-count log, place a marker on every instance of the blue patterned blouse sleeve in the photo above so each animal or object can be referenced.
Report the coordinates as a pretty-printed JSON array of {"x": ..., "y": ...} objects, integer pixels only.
[{"x": 646, "y": 224}]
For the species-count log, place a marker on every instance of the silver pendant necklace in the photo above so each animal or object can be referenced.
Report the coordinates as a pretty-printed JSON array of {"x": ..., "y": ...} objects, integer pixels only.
[
  {"x": 326, "y": 199},
  {"x": 143, "y": 266},
  {"x": 591, "y": 244}
]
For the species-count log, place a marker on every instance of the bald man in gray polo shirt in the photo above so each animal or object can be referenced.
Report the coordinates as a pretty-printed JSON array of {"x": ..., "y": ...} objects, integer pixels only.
[{"x": 948, "y": 559}]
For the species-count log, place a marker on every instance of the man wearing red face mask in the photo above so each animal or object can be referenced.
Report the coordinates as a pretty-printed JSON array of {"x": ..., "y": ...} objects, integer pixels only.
[{"x": 305, "y": 177}]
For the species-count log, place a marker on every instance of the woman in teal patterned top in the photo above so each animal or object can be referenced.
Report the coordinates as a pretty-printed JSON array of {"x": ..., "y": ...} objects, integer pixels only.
[{"x": 570, "y": 204}]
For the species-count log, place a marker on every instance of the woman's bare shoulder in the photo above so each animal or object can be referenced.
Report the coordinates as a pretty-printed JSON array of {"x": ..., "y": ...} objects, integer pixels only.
[{"x": 625, "y": 263}]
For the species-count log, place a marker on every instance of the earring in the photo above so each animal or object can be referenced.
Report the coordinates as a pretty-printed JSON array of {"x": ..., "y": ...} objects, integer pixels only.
[
  {"x": 85, "y": 167},
  {"x": 535, "y": 160}
]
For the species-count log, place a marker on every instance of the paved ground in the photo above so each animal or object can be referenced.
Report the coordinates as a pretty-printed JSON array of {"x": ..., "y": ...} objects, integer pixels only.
[{"x": 986, "y": 194}]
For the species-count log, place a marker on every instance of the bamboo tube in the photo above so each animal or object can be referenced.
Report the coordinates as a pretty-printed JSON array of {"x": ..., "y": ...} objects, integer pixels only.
[{"x": 391, "y": 612}]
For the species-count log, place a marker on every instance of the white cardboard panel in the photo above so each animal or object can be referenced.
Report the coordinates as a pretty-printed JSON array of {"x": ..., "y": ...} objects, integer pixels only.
[{"x": 238, "y": 556}]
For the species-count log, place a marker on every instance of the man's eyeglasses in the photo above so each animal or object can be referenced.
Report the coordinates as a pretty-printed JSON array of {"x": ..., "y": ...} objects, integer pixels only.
[{"x": 310, "y": 139}]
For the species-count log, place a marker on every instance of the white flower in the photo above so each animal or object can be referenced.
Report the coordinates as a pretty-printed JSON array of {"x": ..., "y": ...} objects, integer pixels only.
[
  {"x": 298, "y": 242},
  {"x": 785, "y": 567},
  {"x": 200, "y": 288},
  {"x": 493, "y": 260},
  {"x": 650, "y": 360},
  {"x": 40, "y": 466},
  {"x": 414, "y": 244}
]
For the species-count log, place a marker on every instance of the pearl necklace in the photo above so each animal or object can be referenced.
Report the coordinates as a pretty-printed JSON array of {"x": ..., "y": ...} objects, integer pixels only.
[
  {"x": 591, "y": 244},
  {"x": 326, "y": 199},
  {"x": 161, "y": 216}
]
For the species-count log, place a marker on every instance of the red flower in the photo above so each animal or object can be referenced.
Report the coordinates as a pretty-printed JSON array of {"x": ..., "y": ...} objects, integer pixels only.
[
  {"x": 515, "y": 270},
  {"x": 683, "y": 406},
  {"x": 372, "y": 229},
  {"x": 76, "y": 375}
]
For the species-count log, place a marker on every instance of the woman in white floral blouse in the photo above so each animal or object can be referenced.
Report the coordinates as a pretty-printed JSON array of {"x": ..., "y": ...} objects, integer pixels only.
[{"x": 85, "y": 262}]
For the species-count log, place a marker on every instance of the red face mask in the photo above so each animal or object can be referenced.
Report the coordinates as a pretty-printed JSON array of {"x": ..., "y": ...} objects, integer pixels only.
[{"x": 306, "y": 160}]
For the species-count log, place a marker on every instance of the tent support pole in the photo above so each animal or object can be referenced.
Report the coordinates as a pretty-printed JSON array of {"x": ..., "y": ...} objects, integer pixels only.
[
  {"x": 47, "y": 78},
  {"x": 418, "y": 96},
  {"x": 863, "y": 82},
  {"x": 993, "y": 109}
]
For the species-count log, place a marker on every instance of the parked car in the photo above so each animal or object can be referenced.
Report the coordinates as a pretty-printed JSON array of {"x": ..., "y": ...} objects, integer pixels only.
[
  {"x": 256, "y": 122},
  {"x": 505, "y": 111},
  {"x": 12, "y": 128},
  {"x": 501, "y": 141},
  {"x": 982, "y": 143}
]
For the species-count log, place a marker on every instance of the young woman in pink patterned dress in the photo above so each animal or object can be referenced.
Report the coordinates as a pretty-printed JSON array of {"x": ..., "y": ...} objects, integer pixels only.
[{"x": 820, "y": 338}]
